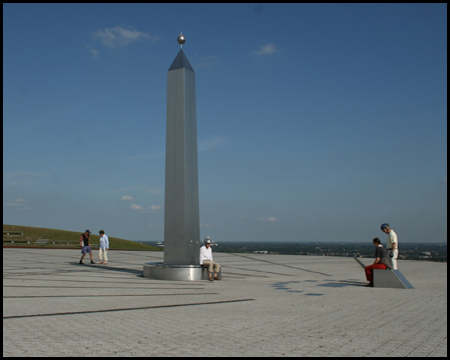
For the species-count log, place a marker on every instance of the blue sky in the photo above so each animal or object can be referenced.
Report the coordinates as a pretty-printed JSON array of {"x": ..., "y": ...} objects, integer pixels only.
[{"x": 316, "y": 122}]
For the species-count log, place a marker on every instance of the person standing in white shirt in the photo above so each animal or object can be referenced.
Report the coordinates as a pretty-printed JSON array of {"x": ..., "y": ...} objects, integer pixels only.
[
  {"x": 206, "y": 260},
  {"x": 392, "y": 245},
  {"x": 103, "y": 247}
]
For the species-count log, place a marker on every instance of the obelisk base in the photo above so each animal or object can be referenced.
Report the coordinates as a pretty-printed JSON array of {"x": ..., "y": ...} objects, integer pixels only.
[{"x": 160, "y": 271}]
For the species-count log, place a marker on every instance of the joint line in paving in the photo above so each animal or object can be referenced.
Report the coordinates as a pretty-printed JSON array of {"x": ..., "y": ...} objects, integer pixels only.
[
  {"x": 84, "y": 296},
  {"x": 285, "y": 265},
  {"x": 125, "y": 309}
]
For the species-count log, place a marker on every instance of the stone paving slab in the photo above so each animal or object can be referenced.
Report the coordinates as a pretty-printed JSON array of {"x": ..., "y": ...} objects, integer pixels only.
[{"x": 265, "y": 305}]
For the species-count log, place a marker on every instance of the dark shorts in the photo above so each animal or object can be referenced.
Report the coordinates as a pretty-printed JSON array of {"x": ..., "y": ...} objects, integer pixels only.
[{"x": 86, "y": 250}]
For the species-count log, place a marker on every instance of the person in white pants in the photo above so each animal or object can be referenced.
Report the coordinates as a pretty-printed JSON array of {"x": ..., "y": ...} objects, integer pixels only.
[
  {"x": 392, "y": 245},
  {"x": 103, "y": 248},
  {"x": 206, "y": 260}
]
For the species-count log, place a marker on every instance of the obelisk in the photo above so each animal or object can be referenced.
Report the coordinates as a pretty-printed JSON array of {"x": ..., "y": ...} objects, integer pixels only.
[
  {"x": 181, "y": 206},
  {"x": 181, "y": 212}
]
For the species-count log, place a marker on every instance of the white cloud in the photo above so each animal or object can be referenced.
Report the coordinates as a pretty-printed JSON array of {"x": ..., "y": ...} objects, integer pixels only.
[
  {"x": 141, "y": 188},
  {"x": 93, "y": 52},
  {"x": 205, "y": 62},
  {"x": 141, "y": 157},
  {"x": 136, "y": 207},
  {"x": 120, "y": 36},
  {"x": 270, "y": 219},
  {"x": 267, "y": 49},
  {"x": 210, "y": 144},
  {"x": 127, "y": 198},
  {"x": 155, "y": 208},
  {"x": 443, "y": 182},
  {"x": 23, "y": 178},
  {"x": 24, "y": 174},
  {"x": 18, "y": 204}
]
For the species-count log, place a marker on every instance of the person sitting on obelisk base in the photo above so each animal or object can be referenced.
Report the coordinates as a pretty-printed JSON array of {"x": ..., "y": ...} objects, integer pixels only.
[{"x": 206, "y": 260}]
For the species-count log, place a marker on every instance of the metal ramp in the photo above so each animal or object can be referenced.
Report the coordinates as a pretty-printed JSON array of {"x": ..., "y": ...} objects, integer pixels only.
[{"x": 390, "y": 279}]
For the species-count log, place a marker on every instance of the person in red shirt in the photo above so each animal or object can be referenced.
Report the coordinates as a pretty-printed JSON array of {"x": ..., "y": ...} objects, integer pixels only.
[{"x": 381, "y": 261}]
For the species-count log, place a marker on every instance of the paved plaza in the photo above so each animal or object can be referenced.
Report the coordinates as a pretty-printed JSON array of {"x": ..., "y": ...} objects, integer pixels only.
[{"x": 265, "y": 305}]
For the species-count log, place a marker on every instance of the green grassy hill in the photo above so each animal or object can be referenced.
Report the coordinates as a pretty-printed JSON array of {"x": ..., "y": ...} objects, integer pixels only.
[{"x": 35, "y": 237}]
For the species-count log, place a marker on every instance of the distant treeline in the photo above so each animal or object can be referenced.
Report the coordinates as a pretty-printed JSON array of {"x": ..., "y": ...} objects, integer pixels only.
[
  {"x": 408, "y": 251},
  {"x": 411, "y": 251}
]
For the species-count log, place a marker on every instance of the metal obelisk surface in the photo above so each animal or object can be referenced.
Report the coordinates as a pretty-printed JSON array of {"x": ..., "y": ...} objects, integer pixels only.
[{"x": 181, "y": 217}]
